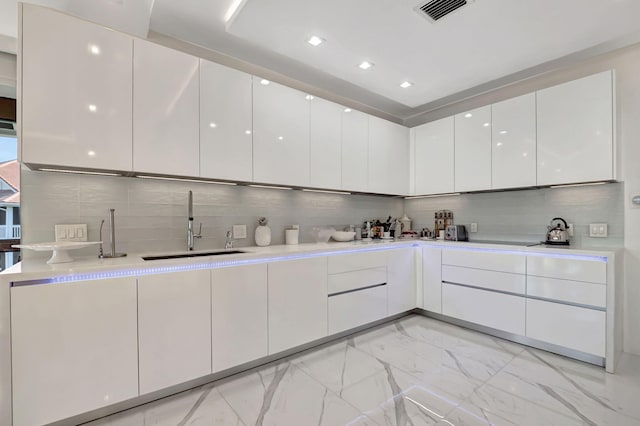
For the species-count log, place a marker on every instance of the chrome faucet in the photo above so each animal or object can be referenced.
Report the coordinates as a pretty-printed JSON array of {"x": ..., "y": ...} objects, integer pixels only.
[
  {"x": 229, "y": 243},
  {"x": 191, "y": 236}
]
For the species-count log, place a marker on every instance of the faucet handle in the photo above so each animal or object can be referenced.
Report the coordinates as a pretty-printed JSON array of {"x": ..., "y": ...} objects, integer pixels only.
[{"x": 199, "y": 234}]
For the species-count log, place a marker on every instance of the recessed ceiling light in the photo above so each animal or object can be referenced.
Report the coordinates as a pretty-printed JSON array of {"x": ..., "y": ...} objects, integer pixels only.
[
  {"x": 280, "y": 138},
  {"x": 264, "y": 82},
  {"x": 486, "y": 124},
  {"x": 309, "y": 97},
  {"x": 91, "y": 153},
  {"x": 499, "y": 144},
  {"x": 365, "y": 65},
  {"x": 347, "y": 110},
  {"x": 406, "y": 84},
  {"x": 92, "y": 108},
  {"x": 247, "y": 132},
  {"x": 503, "y": 132},
  {"x": 468, "y": 115},
  {"x": 315, "y": 41},
  {"x": 213, "y": 125},
  {"x": 94, "y": 49}
]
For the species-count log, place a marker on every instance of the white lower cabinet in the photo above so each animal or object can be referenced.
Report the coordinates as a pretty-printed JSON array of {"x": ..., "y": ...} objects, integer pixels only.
[
  {"x": 238, "y": 315},
  {"x": 432, "y": 279},
  {"x": 401, "y": 280},
  {"x": 572, "y": 327},
  {"x": 496, "y": 310},
  {"x": 297, "y": 302},
  {"x": 174, "y": 328},
  {"x": 76, "y": 352},
  {"x": 356, "y": 308}
]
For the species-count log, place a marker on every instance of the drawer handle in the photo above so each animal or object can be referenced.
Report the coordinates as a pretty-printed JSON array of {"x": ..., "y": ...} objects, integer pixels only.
[
  {"x": 356, "y": 289},
  {"x": 485, "y": 289}
]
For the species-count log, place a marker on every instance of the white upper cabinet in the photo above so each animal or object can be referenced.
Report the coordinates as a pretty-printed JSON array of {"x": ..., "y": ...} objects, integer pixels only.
[
  {"x": 434, "y": 157},
  {"x": 513, "y": 150},
  {"x": 281, "y": 134},
  {"x": 165, "y": 110},
  {"x": 388, "y": 157},
  {"x": 76, "y": 92},
  {"x": 325, "y": 145},
  {"x": 473, "y": 150},
  {"x": 355, "y": 147},
  {"x": 226, "y": 150},
  {"x": 575, "y": 131}
]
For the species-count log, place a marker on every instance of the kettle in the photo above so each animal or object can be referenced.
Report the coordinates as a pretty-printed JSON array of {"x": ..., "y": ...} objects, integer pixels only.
[{"x": 558, "y": 232}]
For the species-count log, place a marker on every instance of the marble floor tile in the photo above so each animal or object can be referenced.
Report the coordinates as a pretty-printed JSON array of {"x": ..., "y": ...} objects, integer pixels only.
[
  {"x": 286, "y": 395},
  {"x": 412, "y": 371}
]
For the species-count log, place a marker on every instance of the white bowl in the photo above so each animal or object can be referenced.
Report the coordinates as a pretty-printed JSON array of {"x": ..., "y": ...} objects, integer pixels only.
[{"x": 343, "y": 236}]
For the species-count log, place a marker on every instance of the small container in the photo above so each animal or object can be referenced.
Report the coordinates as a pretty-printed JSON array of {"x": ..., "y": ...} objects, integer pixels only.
[
  {"x": 291, "y": 236},
  {"x": 441, "y": 235},
  {"x": 358, "y": 233},
  {"x": 386, "y": 235}
]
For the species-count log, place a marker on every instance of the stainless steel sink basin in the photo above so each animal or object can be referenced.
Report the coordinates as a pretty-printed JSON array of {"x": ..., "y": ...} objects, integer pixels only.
[{"x": 198, "y": 254}]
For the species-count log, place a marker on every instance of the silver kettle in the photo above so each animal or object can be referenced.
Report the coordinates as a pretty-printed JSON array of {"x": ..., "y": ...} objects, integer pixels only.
[{"x": 558, "y": 232}]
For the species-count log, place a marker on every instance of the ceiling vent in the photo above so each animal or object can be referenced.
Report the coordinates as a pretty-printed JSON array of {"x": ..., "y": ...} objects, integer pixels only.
[{"x": 434, "y": 10}]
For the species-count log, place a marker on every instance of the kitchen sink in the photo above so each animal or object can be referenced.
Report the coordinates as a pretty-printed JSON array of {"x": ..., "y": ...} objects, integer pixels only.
[{"x": 198, "y": 254}]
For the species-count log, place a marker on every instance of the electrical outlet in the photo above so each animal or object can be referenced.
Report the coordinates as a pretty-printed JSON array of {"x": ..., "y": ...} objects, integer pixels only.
[
  {"x": 598, "y": 230},
  {"x": 570, "y": 229},
  {"x": 473, "y": 227},
  {"x": 75, "y": 232},
  {"x": 239, "y": 232}
]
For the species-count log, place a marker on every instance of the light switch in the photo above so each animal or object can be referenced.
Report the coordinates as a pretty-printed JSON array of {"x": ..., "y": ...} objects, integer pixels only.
[
  {"x": 598, "y": 230},
  {"x": 473, "y": 227},
  {"x": 74, "y": 232}
]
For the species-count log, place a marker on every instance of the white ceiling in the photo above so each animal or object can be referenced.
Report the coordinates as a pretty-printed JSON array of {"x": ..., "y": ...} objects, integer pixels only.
[{"x": 487, "y": 41}]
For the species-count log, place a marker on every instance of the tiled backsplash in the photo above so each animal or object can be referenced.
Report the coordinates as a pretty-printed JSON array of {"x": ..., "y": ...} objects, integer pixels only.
[
  {"x": 524, "y": 215},
  {"x": 151, "y": 215}
]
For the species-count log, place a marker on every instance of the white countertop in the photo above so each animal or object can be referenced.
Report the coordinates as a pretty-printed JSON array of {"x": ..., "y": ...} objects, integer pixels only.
[{"x": 37, "y": 269}]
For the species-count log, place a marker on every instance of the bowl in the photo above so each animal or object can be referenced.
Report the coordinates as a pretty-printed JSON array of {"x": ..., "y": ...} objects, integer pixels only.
[
  {"x": 322, "y": 234},
  {"x": 343, "y": 236}
]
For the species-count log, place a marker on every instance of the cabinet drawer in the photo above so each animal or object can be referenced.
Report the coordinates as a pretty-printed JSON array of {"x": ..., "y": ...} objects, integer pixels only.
[
  {"x": 568, "y": 291},
  {"x": 356, "y": 279},
  {"x": 591, "y": 271},
  {"x": 495, "y": 310},
  {"x": 576, "y": 328},
  {"x": 501, "y": 281},
  {"x": 492, "y": 261},
  {"x": 357, "y": 261},
  {"x": 357, "y": 308}
]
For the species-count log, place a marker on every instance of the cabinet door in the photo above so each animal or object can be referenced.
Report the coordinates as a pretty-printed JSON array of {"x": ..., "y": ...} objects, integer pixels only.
[
  {"x": 495, "y": 310},
  {"x": 401, "y": 280},
  {"x": 357, "y": 308},
  {"x": 473, "y": 150},
  {"x": 388, "y": 157},
  {"x": 174, "y": 328},
  {"x": 226, "y": 147},
  {"x": 432, "y": 279},
  {"x": 281, "y": 134},
  {"x": 355, "y": 149},
  {"x": 74, "y": 348},
  {"x": 573, "y": 327},
  {"x": 76, "y": 92},
  {"x": 434, "y": 157},
  {"x": 297, "y": 302},
  {"x": 238, "y": 315},
  {"x": 513, "y": 149},
  {"x": 575, "y": 131},
  {"x": 165, "y": 110},
  {"x": 325, "y": 145}
]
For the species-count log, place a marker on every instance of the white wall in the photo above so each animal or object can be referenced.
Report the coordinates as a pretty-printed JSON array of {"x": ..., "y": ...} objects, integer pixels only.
[{"x": 626, "y": 63}]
